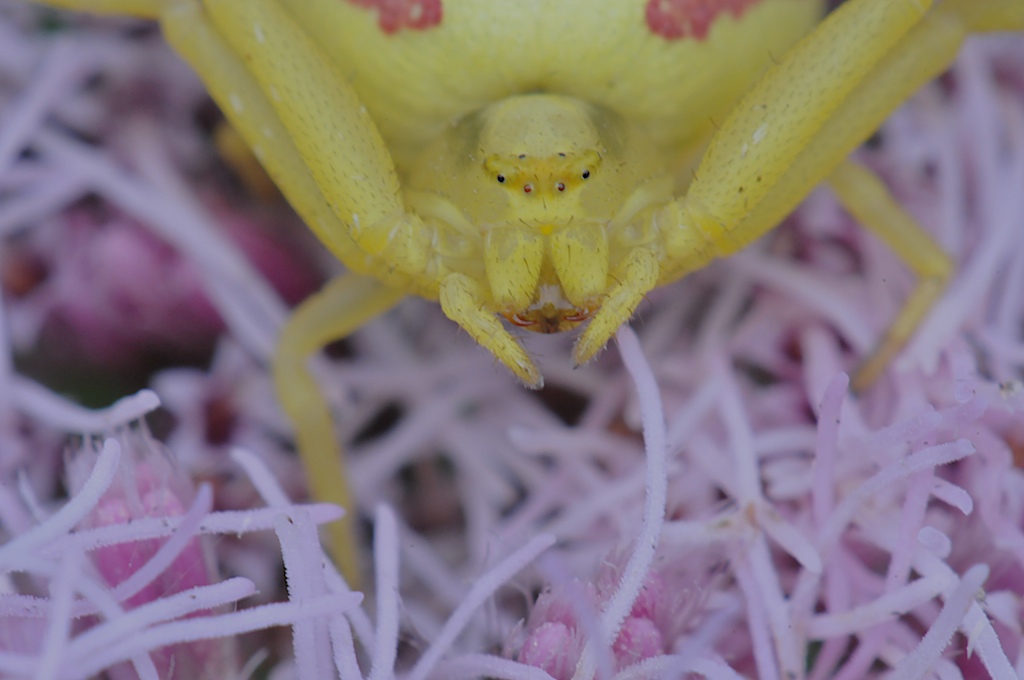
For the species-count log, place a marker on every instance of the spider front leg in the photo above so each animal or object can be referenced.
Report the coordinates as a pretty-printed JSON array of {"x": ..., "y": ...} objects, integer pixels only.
[
  {"x": 463, "y": 301},
  {"x": 802, "y": 119},
  {"x": 635, "y": 275},
  {"x": 314, "y": 138},
  {"x": 341, "y": 307}
]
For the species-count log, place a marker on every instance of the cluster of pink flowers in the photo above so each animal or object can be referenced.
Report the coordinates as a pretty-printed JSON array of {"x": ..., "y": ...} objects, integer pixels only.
[{"x": 707, "y": 499}]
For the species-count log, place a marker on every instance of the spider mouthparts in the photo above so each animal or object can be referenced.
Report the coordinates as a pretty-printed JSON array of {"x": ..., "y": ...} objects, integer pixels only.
[{"x": 548, "y": 318}]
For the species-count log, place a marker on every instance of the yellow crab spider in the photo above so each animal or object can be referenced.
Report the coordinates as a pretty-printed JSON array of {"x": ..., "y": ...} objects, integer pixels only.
[{"x": 527, "y": 159}]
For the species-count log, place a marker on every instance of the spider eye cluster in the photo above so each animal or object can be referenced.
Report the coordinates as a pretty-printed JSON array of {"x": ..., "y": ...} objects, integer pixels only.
[{"x": 553, "y": 174}]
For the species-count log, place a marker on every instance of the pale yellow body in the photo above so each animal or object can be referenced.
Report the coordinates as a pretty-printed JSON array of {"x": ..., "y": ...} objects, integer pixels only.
[{"x": 525, "y": 159}]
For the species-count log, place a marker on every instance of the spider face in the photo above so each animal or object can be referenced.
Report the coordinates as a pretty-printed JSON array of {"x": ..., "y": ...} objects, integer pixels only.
[{"x": 545, "y": 186}]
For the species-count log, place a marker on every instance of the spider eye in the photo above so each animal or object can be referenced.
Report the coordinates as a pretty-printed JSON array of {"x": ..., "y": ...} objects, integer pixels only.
[
  {"x": 501, "y": 179},
  {"x": 560, "y": 186},
  {"x": 586, "y": 174},
  {"x": 528, "y": 188}
]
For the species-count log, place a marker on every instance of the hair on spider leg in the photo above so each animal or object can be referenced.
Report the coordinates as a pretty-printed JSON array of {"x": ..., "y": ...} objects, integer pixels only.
[{"x": 646, "y": 298}]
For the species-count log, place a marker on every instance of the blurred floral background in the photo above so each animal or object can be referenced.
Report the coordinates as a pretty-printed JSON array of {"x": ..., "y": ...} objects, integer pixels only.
[{"x": 707, "y": 499}]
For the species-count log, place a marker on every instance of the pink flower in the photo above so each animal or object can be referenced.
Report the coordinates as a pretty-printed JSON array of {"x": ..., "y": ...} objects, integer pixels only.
[
  {"x": 667, "y": 604},
  {"x": 103, "y": 289},
  {"x": 149, "y": 486}
]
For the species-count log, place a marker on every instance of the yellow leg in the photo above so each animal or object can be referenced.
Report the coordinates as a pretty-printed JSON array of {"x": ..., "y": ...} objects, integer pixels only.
[
  {"x": 342, "y": 306},
  {"x": 867, "y": 199},
  {"x": 734, "y": 207},
  {"x": 291, "y": 105},
  {"x": 328, "y": 124},
  {"x": 239, "y": 96},
  {"x": 636, "y": 274},
  {"x": 983, "y": 16},
  {"x": 788, "y": 133},
  {"x": 462, "y": 301},
  {"x": 331, "y": 129},
  {"x": 781, "y": 115}
]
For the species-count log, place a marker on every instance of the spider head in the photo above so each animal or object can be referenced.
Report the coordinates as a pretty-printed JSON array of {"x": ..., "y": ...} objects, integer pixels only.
[
  {"x": 565, "y": 183},
  {"x": 541, "y": 196},
  {"x": 535, "y": 249}
]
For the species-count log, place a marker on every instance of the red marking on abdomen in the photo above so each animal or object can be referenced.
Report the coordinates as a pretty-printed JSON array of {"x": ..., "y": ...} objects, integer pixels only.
[
  {"x": 674, "y": 19},
  {"x": 398, "y": 14}
]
